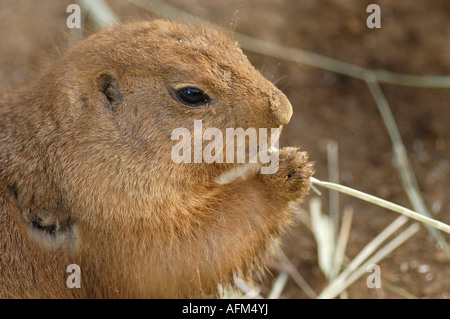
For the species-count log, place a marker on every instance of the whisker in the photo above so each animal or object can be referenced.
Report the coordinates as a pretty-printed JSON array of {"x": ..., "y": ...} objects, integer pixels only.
[
  {"x": 262, "y": 68},
  {"x": 279, "y": 79},
  {"x": 285, "y": 86}
]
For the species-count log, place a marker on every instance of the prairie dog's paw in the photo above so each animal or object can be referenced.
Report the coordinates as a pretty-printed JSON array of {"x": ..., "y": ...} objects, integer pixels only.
[{"x": 291, "y": 181}]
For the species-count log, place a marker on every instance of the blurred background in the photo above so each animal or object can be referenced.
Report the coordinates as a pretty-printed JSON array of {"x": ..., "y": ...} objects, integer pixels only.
[{"x": 331, "y": 112}]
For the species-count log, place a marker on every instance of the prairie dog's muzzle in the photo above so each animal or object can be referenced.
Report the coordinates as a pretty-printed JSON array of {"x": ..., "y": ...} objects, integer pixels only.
[{"x": 280, "y": 108}]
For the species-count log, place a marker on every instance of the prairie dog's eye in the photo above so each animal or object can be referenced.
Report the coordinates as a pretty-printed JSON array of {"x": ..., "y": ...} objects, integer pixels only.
[{"x": 192, "y": 97}]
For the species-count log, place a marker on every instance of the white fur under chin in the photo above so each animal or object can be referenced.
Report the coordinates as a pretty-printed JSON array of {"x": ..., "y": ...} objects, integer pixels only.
[
  {"x": 236, "y": 172},
  {"x": 67, "y": 238}
]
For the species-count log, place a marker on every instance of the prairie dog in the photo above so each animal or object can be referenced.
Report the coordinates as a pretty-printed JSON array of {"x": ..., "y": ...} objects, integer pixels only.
[{"x": 86, "y": 175}]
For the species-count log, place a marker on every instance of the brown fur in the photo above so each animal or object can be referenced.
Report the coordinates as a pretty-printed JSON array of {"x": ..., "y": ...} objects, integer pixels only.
[{"x": 86, "y": 176}]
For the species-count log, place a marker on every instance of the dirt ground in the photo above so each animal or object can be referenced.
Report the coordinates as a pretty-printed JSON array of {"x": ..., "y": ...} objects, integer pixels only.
[{"x": 413, "y": 38}]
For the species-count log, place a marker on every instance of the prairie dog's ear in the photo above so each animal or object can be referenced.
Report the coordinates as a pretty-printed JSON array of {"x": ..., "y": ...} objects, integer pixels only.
[{"x": 109, "y": 86}]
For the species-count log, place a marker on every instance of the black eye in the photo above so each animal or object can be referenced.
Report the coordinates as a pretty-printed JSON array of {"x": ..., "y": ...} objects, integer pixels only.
[{"x": 192, "y": 97}]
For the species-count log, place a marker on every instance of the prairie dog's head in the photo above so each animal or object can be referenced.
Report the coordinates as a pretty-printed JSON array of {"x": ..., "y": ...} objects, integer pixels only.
[{"x": 129, "y": 87}]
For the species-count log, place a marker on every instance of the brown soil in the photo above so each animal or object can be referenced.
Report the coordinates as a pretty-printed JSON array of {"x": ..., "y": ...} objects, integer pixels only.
[{"x": 413, "y": 39}]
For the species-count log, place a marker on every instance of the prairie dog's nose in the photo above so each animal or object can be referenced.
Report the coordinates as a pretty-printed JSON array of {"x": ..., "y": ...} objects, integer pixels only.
[{"x": 280, "y": 107}]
